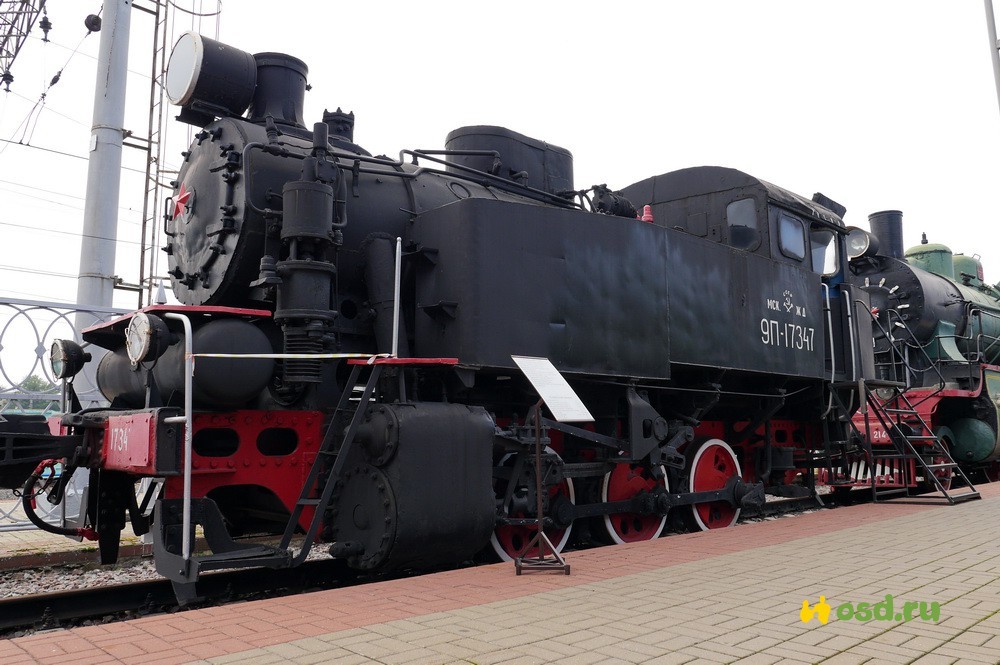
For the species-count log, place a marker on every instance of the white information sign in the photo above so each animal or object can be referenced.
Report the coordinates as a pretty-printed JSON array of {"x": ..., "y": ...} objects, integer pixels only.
[{"x": 562, "y": 401}]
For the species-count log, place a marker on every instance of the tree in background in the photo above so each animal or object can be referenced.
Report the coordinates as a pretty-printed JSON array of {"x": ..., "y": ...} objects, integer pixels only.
[{"x": 33, "y": 385}]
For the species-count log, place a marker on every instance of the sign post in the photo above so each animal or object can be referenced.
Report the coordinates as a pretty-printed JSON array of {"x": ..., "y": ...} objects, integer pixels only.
[{"x": 565, "y": 406}]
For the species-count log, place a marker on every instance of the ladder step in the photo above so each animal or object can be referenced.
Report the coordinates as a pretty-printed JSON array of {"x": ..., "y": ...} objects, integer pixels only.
[
  {"x": 308, "y": 502},
  {"x": 272, "y": 561},
  {"x": 893, "y": 410},
  {"x": 946, "y": 465},
  {"x": 964, "y": 497},
  {"x": 922, "y": 437},
  {"x": 881, "y": 383},
  {"x": 260, "y": 555},
  {"x": 888, "y": 492}
]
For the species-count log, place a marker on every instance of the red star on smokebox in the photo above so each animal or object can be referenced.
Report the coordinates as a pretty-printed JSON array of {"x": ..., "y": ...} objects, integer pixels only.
[{"x": 183, "y": 201}]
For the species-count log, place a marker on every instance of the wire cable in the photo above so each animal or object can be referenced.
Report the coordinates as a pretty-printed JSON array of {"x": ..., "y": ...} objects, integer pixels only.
[
  {"x": 50, "y": 109},
  {"x": 64, "y": 154},
  {"x": 70, "y": 233},
  {"x": 60, "y": 203},
  {"x": 35, "y": 271},
  {"x": 40, "y": 104},
  {"x": 194, "y": 13},
  {"x": 89, "y": 56}
]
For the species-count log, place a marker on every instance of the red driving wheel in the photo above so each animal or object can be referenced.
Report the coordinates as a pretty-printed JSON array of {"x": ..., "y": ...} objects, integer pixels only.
[{"x": 713, "y": 463}]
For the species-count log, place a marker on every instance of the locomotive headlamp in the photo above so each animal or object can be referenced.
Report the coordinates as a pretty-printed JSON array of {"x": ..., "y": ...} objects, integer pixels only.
[
  {"x": 861, "y": 243},
  {"x": 146, "y": 337},
  {"x": 67, "y": 358},
  {"x": 209, "y": 78}
]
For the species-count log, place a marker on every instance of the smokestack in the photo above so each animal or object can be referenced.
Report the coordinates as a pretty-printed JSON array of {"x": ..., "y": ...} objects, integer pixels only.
[
  {"x": 281, "y": 89},
  {"x": 887, "y": 226}
]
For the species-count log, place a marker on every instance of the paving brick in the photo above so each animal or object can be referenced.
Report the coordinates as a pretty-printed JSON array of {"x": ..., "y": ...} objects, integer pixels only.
[
  {"x": 847, "y": 659},
  {"x": 971, "y": 638},
  {"x": 592, "y": 658},
  {"x": 966, "y": 652},
  {"x": 703, "y": 653},
  {"x": 716, "y": 597},
  {"x": 931, "y": 659}
]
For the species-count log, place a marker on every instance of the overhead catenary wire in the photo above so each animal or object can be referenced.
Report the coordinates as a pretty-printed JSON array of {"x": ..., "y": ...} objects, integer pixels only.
[
  {"x": 41, "y": 296},
  {"x": 69, "y": 233},
  {"x": 49, "y": 108},
  {"x": 64, "y": 154},
  {"x": 37, "y": 271},
  {"x": 60, "y": 203},
  {"x": 89, "y": 56},
  {"x": 217, "y": 12},
  {"x": 40, "y": 103}
]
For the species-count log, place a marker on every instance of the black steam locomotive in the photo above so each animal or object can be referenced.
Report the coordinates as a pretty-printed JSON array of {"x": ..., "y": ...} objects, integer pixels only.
[{"x": 342, "y": 361}]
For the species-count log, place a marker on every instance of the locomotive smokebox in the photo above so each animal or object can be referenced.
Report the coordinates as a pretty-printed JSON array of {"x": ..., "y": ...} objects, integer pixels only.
[
  {"x": 281, "y": 89},
  {"x": 887, "y": 226}
]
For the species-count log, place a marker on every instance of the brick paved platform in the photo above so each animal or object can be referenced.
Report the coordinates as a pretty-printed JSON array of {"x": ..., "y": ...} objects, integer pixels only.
[{"x": 716, "y": 597}]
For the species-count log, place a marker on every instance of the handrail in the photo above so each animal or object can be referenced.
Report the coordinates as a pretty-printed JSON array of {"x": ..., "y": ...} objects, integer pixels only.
[
  {"x": 395, "y": 297},
  {"x": 854, "y": 336},
  {"x": 829, "y": 325},
  {"x": 895, "y": 353},
  {"x": 188, "y": 420},
  {"x": 921, "y": 348},
  {"x": 980, "y": 351}
]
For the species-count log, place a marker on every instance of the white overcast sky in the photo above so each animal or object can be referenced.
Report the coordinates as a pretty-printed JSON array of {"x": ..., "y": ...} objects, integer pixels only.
[{"x": 876, "y": 103}]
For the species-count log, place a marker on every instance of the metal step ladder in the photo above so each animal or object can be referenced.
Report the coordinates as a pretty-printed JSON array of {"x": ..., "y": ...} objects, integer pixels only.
[
  {"x": 330, "y": 460},
  {"x": 905, "y": 427}
]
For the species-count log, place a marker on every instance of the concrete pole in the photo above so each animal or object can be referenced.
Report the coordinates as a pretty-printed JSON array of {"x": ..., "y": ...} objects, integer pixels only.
[
  {"x": 100, "y": 210},
  {"x": 100, "y": 213},
  {"x": 991, "y": 27}
]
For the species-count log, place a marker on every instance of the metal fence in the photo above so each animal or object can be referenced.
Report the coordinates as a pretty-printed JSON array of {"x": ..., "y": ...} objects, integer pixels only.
[{"x": 27, "y": 330}]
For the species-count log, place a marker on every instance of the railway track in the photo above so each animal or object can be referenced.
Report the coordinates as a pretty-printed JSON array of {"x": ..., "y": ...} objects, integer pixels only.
[
  {"x": 119, "y": 602},
  {"x": 44, "y": 611}
]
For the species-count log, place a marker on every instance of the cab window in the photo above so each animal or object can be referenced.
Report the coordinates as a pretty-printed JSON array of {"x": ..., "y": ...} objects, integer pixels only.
[
  {"x": 741, "y": 217},
  {"x": 791, "y": 237},
  {"x": 824, "y": 252}
]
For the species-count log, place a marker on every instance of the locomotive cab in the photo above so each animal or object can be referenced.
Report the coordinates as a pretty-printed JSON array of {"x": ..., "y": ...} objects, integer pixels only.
[{"x": 795, "y": 245}]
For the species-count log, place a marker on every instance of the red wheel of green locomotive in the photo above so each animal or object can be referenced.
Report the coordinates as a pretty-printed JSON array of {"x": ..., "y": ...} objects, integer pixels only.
[
  {"x": 509, "y": 542},
  {"x": 944, "y": 476},
  {"x": 712, "y": 465},
  {"x": 621, "y": 484}
]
